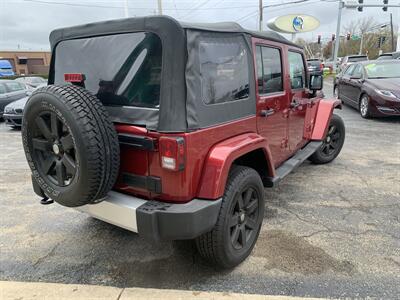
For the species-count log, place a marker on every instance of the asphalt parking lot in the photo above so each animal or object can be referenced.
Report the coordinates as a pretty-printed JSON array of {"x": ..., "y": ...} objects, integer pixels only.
[{"x": 329, "y": 231}]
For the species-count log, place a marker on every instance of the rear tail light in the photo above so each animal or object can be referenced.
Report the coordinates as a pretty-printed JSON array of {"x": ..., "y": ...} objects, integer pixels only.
[
  {"x": 321, "y": 66},
  {"x": 172, "y": 153},
  {"x": 74, "y": 77}
]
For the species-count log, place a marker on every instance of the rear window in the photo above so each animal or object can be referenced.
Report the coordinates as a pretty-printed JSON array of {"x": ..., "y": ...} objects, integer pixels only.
[
  {"x": 357, "y": 58},
  {"x": 314, "y": 63},
  {"x": 121, "y": 70}
]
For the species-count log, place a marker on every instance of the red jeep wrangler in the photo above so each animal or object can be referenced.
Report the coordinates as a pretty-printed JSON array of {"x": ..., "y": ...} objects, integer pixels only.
[{"x": 173, "y": 130}]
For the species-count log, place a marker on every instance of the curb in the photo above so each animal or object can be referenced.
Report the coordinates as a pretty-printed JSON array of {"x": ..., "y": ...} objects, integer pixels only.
[{"x": 39, "y": 290}]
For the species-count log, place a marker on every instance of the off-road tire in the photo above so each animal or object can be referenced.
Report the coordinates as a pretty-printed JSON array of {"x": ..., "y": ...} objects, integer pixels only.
[
  {"x": 322, "y": 156},
  {"x": 216, "y": 246},
  {"x": 92, "y": 144}
]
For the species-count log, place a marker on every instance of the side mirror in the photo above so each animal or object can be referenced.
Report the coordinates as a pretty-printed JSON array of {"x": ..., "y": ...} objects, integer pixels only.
[{"x": 316, "y": 82}]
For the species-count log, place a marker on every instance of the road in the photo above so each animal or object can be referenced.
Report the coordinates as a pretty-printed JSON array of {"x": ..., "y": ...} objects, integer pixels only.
[{"x": 329, "y": 231}]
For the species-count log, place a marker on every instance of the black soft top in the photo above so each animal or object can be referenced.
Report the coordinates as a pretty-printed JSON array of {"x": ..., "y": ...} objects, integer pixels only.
[
  {"x": 180, "y": 93},
  {"x": 156, "y": 24}
]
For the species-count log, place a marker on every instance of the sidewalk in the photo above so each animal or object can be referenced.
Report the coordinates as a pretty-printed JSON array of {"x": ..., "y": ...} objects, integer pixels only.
[{"x": 32, "y": 290}]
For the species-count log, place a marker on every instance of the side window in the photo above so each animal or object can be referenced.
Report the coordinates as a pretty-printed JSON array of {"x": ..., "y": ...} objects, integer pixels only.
[
  {"x": 2, "y": 89},
  {"x": 349, "y": 70},
  {"x": 224, "y": 70},
  {"x": 269, "y": 70},
  {"x": 357, "y": 71},
  {"x": 14, "y": 86},
  {"x": 297, "y": 70}
]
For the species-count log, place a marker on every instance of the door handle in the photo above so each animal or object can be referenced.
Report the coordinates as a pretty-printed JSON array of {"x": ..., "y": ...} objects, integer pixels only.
[
  {"x": 295, "y": 103},
  {"x": 267, "y": 112}
]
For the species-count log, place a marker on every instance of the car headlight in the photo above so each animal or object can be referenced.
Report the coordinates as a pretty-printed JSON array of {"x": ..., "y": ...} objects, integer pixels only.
[
  {"x": 8, "y": 110},
  {"x": 386, "y": 93}
]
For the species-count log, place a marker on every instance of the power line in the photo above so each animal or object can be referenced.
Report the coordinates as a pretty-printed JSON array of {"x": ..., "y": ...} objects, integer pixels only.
[{"x": 121, "y": 7}]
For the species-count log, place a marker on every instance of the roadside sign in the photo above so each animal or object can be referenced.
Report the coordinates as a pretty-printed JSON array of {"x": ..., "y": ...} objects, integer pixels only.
[{"x": 355, "y": 37}]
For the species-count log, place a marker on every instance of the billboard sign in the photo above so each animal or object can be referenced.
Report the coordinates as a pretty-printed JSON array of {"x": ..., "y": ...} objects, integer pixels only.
[{"x": 293, "y": 23}]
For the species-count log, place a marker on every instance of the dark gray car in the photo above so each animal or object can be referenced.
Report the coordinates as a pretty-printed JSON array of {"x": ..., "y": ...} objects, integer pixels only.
[
  {"x": 13, "y": 112},
  {"x": 10, "y": 91}
]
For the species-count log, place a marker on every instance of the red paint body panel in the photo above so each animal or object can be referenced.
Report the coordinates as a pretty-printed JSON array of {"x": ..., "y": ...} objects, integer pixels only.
[
  {"x": 177, "y": 186},
  {"x": 221, "y": 157},
  {"x": 323, "y": 117}
]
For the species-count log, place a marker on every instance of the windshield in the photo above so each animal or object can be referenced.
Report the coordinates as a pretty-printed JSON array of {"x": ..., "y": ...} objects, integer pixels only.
[
  {"x": 357, "y": 58},
  {"x": 383, "y": 70}
]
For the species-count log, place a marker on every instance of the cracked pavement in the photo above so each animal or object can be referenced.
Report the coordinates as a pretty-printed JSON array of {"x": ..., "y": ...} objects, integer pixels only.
[{"x": 329, "y": 230}]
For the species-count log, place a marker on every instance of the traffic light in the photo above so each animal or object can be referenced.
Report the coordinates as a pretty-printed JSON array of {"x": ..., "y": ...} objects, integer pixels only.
[
  {"x": 360, "y": 8},
  {"x": 348, "y": 36},
  {"x": 333, "y": 37},
  {"x": 319, "y": 39},
  {"x": 385, "y": 2}
]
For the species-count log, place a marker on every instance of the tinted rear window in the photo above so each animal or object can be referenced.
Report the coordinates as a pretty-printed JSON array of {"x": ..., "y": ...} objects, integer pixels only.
[{"x": 122, "y": 69}]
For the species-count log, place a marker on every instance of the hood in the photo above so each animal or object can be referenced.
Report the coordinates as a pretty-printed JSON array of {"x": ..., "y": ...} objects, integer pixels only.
[
  {"x": 389, "y": 84},
  {"x": 19, "y": 104}
]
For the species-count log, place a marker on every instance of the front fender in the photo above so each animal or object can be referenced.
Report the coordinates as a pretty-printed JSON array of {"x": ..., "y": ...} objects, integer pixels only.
[
  {"x": 220, "y": 159},
  {"x": 323, "y": 117}
]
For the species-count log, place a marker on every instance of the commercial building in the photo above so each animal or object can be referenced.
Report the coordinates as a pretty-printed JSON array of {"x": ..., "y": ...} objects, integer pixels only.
[{"x": 28, "y": 62}]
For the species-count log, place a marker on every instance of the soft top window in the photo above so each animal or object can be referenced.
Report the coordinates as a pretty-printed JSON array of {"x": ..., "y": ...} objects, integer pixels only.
[
  {"x": 121, "y": 69},
  {"x": 224, "y": 70}
]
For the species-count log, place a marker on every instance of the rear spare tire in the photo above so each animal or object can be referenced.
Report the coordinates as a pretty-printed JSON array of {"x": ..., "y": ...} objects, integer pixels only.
[{"x": 71, "y": 145}]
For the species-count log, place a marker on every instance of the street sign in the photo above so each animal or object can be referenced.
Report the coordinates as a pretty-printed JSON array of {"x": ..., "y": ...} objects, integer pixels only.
[{"x": 355, "y": 37}]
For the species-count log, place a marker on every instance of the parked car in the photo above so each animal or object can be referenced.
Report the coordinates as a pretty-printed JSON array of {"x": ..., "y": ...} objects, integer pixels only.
[
  {"x": 13, "y": 112},
  {"x": 6, "y": 68},
  {"x": 351, "y": 59},
  {"x": 390, "y": 55},
  {"x": 32, "y": 81},
  {"x": 10, "y": 91},
  {"x": 373, "y": 87},
  {"x": 315, "y": 66},
  {"x": 163, "y": 128}
]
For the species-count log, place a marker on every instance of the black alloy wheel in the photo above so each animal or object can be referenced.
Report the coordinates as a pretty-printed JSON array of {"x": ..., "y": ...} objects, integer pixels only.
[
  {"x": 54, "y": 149},
  {"x": 239, "y": 222},
  {"x": 243, "y": 219},
  {"x": 333, "y": 142}
]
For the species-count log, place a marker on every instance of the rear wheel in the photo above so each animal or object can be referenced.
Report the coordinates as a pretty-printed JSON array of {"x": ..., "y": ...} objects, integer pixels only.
[
  {"x": 71, "y": 146},
  {"x": 332, "y": 144},
  {"x": 239, "y": 222}
]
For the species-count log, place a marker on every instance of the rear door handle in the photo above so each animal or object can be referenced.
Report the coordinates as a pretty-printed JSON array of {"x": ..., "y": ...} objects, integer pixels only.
[
  {"x": 295, "y": 103},
  {"x": 267, "y": 112}
]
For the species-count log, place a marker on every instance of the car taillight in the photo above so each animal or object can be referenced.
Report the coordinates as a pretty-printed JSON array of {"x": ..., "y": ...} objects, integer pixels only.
[
  {"x": 172, "y": 153},
  {"x": 321, "y": 66},
  {"x": 74, "y": 77}
]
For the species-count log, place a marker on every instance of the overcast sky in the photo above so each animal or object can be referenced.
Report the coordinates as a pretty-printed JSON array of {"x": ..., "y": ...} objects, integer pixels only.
[{"x": 26, "y": 24}]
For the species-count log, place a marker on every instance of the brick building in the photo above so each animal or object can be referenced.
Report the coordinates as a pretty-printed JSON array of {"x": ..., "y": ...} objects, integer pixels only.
[{"x": 28, "y": 62}]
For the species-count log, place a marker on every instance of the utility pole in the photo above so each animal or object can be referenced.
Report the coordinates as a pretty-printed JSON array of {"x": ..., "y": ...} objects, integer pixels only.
[
  {"x": 361, "y": 43},
  {"x": 339, "y": 20},
  {"x": 159, "y": 7},
  {"x": 126, "y": 10},
  {"x": 261, "y": 17},
  {"x": 391, "y": 31}
]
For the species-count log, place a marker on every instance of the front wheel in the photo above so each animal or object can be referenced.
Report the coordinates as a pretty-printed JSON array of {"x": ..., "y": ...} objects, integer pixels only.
[
  {"x": 365, "y": 107},
  {"x": 239, "y": 222},
  {"x": 333, "y": 143}
]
